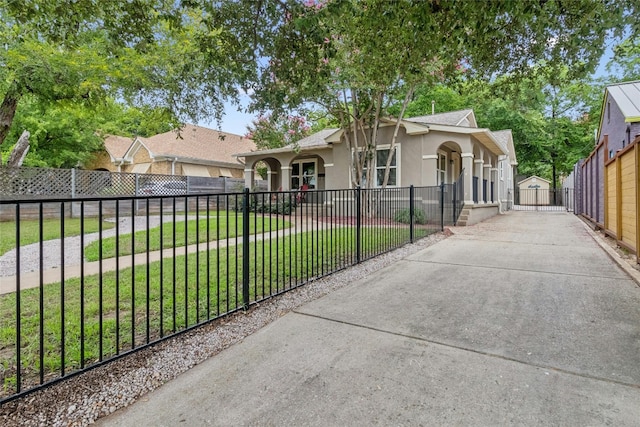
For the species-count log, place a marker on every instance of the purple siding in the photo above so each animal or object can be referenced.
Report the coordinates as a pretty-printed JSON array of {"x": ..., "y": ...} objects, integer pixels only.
[{"x": 614, "y": 126}]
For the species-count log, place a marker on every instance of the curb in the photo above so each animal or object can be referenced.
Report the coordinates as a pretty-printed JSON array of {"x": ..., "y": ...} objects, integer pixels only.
[{"x": 631, "y": 272}]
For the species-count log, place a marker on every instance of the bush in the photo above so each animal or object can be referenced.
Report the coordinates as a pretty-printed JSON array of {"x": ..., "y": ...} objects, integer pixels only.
[
  {"x": 403, "y": 216},
  {"x": 281, "y": 204}
]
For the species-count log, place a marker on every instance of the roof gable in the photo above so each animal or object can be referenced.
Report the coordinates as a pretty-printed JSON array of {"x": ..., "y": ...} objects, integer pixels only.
[
  {"x": 117, "y": 146},
  {"x": 627, "y": 97},
  {"x": 464, "y": 118},
  {"x": 506, "y": 137}
]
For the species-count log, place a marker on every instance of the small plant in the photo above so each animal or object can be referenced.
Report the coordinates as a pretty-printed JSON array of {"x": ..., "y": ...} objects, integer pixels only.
[
  {"x": 280, "y": 204},
  {"x": 403, "y": 216}
]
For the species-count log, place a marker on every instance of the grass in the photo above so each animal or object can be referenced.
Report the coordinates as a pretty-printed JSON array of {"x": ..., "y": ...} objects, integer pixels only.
[
  {"x": 131, "y": 310},
  {"x": 30, "y": 230},
  {"x": 225, "y": 225}
]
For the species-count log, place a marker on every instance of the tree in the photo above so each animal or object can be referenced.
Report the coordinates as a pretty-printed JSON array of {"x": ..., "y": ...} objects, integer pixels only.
[
  {"x": 65, "y": 134},
  {"x": 271, "y": 131},
  {"x": 626, "y": 59},
  {"x": 353, "y": 59},
  {"x": 185, "y": 57}
]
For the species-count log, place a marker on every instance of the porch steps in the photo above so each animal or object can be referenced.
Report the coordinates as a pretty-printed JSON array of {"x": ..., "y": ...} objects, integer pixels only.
[{"x": 464, "y": 217}]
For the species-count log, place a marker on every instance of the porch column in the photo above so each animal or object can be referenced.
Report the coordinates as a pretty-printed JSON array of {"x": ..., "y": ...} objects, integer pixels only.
[
  {"x": 479, "y": 173},
  {"x": 270, "y": 176},
  {"x": 496, "y": 188},
  {"x": 487, "y": 174},
  {"x": 467, "y": 164},
  {"x": 248, "y": 178},
  {"x": 429, "y": 170},
  {"x": 286, "y": 178}
]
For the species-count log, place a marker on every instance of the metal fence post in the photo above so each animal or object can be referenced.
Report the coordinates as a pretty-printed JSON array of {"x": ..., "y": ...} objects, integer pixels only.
[
  {"x": 442, "y": 206},
  {"x": 412, "y": 213},
  {"x": 245, "y": 249},
  {"x": 454, "y": 188},
  {"x": 358, "y": 223}
]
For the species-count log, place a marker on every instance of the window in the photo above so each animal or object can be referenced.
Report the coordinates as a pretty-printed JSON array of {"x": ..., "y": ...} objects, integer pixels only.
[
  {"x": 501, "y": 170},
  {"x": 379, "y": 165},
  {"x": 303, "y": 172}
]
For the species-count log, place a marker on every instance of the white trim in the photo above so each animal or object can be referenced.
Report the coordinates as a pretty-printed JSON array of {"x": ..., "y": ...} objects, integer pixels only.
[
  {"x": 328, "y": 165},
  {"x": 248, "y": 170},
  {"x": 286, "y": 168},
  {"x": 478, "y": 161},
  {"x": 429, "y": 157},
  {"x": 488, "y": 165},
  {"x": 466, "y": 155}
]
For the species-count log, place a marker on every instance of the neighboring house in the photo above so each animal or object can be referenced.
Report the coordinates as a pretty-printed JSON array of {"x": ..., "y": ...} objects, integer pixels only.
[
  {"x": 193, "y": 151},
  {"x": 619, "y": 126},
  {"x": 430, "y": 150},
  {"x": 533, "y": 191}
]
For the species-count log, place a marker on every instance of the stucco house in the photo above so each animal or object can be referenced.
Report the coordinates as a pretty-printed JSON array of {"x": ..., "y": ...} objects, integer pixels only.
[
  {"x": 193, "y": 151},
  {"x": 430, "y": 150}
]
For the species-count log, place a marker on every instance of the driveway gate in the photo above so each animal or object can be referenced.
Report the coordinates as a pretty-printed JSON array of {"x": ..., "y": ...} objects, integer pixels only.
[{"x": 536, "y": 199}]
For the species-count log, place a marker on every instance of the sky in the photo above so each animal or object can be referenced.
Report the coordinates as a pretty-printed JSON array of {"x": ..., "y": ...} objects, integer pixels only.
[{"x": 233, "y": 121}]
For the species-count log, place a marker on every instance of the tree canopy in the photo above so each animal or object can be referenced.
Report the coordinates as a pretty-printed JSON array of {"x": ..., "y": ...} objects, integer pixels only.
[
  {"x": 355, "y": 58},
  {"x": 185, "y": 57}
]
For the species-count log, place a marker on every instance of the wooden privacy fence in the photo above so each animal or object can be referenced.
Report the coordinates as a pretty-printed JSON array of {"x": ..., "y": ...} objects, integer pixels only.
[{"x": 622, "y": 198}]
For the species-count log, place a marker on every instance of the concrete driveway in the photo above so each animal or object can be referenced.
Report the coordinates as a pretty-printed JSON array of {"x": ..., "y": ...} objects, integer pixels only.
[{"x": 522, "y": 319}]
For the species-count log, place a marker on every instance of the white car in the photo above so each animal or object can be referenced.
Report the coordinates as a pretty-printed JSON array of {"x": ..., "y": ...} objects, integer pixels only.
[{"x": 171, "y": 188}]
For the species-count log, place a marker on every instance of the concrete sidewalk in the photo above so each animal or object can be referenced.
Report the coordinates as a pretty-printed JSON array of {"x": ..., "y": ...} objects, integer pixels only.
[{"x": 522, "y": 319}]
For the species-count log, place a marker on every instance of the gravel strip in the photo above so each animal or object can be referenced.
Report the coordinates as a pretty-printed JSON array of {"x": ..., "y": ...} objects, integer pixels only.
[{"x": 81, "y": 400}]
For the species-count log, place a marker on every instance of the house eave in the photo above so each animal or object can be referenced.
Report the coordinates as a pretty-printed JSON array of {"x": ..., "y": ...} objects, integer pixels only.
[{"x": 196, "y": 161}]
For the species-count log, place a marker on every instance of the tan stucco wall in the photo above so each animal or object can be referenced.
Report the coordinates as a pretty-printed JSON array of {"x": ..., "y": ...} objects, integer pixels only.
[
  {"x": 142, "y": 156},
  {"x": 101, "y": 160}
]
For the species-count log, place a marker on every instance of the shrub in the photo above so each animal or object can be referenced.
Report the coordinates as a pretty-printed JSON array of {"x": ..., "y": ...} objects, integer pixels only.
[{"x": 403, "y": 217}]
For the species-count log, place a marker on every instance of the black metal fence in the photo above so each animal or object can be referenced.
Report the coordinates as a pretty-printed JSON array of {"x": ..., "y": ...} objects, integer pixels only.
[
  {"x": 536, "y": 199},
  {"x": 78, "y": 292}
]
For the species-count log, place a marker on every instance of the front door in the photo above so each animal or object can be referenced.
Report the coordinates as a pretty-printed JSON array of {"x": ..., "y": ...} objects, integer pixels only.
[{"x": 304, "y": 172}]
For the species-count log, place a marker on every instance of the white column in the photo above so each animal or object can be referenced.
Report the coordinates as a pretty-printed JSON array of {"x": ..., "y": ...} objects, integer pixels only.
[
  {"x": 429, "y": 170},
  {"x": 487, "y": 175},
  {"x": 480, "y": 175},
  {"x": 248, "y": 178},
  {"x": 496, "y": 186},
  {"x": 286, "y": 178},
  {"x": 270, "y": 175},
  {"x": 467, "y": 164}
]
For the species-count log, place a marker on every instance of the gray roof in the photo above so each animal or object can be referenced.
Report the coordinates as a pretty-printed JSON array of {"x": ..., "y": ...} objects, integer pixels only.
[
  {"x": 627, "y": 96},
  {"x": 452, "y": 118},
  {"x": 502, "y": 135},
  {"x": 315, "y": 140}
]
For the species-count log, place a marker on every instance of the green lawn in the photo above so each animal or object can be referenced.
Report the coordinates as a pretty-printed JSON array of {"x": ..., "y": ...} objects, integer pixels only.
[
  {"x": 213, "y": 286},
  {"x": 30, "y": 230},
  {"x": 220, "y": 227}
]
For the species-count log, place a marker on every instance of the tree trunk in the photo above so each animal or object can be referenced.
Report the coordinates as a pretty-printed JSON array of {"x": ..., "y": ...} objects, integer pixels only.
[
  {"x": 19, "y": 151},
  {"x": 8, "y": 110}
]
